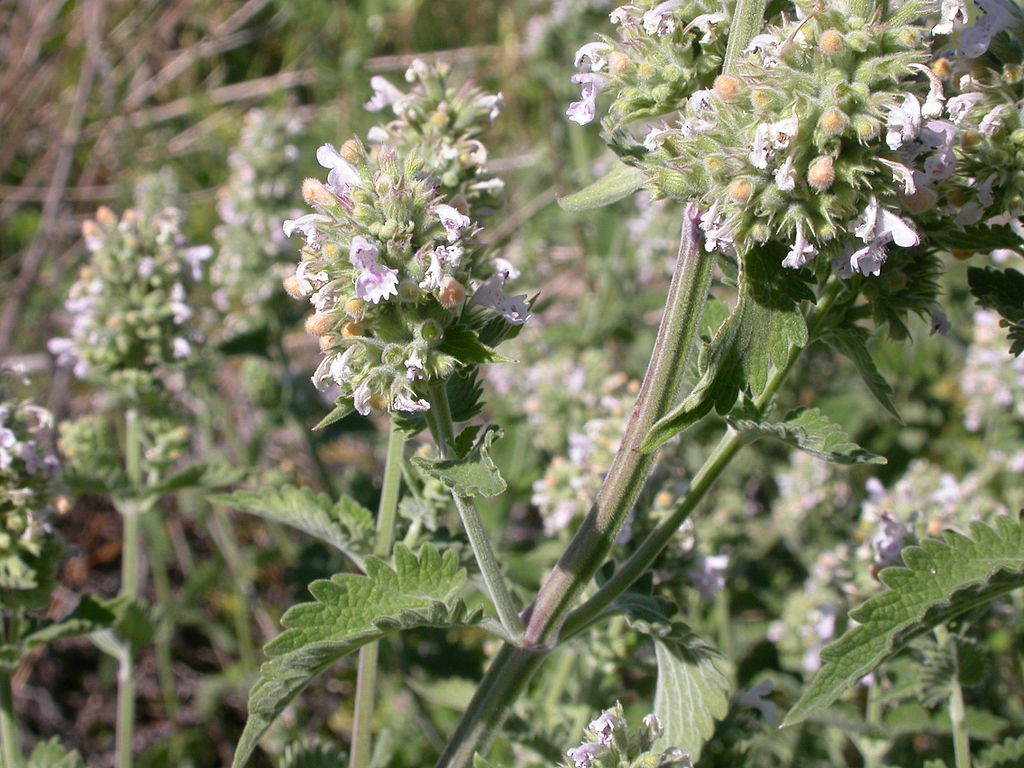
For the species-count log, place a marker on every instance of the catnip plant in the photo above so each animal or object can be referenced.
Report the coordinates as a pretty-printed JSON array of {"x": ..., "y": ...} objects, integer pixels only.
[{"x": 821, "y": 157}]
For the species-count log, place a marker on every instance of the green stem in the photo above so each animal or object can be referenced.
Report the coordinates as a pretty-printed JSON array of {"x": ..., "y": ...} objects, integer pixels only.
[
  {"x": 595, "y": 537},
  {"x": 747, "y": 20},
  {"x": 957, "y": 709},
  {"x": 8, "y": 723},
  {"x": 366, "y": 680},
  {"x": 159, "y": 557},
  {"x": 439, "y": 418}
]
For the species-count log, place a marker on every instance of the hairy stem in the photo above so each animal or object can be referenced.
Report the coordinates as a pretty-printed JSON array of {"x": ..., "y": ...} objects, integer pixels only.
[
  {"x": 439, "y": 418},
  {"x": 957, "y": 709},
  {"x": 8, "y": 723},
  {"x": 595, "y": 537},
  {"x": 366, "y": 680},
  {"x": 747, "y": 20}
]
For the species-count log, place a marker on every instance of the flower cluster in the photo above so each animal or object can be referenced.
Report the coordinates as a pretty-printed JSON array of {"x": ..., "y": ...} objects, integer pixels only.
[
  {"x": 247, "y": 272},
  {"x": 396, "y": 276},
  {"x": 28, "y": 483},
  {"x": 131, "y": 313},
  {"x": 607, "y": 742},
  {"x": 992, "y": 381},
  {"x": 664, "y": 51},
  {"x": 441, "y": 124}
]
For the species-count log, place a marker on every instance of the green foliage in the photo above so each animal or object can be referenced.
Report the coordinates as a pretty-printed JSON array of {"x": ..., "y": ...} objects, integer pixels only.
[
  {"x": 812, "y": 432},
  {"x": 753, "y": 342},
  {"x": 474, "y": 472},
  {"x": 1008, "y": 754},
  {"x": 1003, "y": 291},
  {"x": 942, "y": 580},
  {"x": 345, "y": 524},
  {"x": 311, "y": 754},
  {"x": 978, "y": 239},
  {"x": 851, "y": 342},
  {"x": 350, "y": 611},
  {"x": 50, "y": 754},
  {"x": 620, "y": 182}
]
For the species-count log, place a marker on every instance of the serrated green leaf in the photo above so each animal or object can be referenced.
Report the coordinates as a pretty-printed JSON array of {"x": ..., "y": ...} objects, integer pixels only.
[
  {"x": 345, "y": 525},
  {"x": 692, "y": 692},
  {"x": 812, "y": 432},
  {"x": 90, "y": 615},
  {"x": 474, "y": 474},
  {"x": 942, "y": 580},
  {"x": 464, "y": 345},
  {"x": 755, "y": 340},
  {"x": 619, "y": 183},
  {"x": 1003, "y": 291},
  {"x": 350, "y": 611},
  {"x": 212, "y": 474},
  {"x": 850, "y": 342},
  {"x": 980, "y": 238},
  {"x": 311, "y": 754},
  {"x": 1008, "y": 754},
  {"x": 51, "y": 754},
  {"x": 342, "y": 408}
]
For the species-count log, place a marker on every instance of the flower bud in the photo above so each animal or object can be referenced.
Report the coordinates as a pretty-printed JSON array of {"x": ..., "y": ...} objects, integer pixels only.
[
  {"x": 833, "y": 122},
  {"x": 351, "y": 152},
  {"x": 355, "y": 308},
  {"x": 318, "y": 324},
  {"x": 867, "y": 128},
  {"x": 761, "y": 98},
  {"x": 941, "y": 68},
  {"x": 451, "y": 294},
  {"x": 969, "y": 139},
  {"x": 831, "y": 41},
  {"x": 618, "y": 62},
  {"x": 326, "y": 342},
  {"x": 821, "y": 174},
  {"x": 647, "y": 70},
  {"x": 91, "y": 230},
  {"x": 293, "y": 288},
  {"x": 439, "y": 118},
  {"x": 315, "y": 193},
  {"x": 740, "y": 191},
  {"x": 351, "y": 330},
  {"x": 727, "y": 87}
]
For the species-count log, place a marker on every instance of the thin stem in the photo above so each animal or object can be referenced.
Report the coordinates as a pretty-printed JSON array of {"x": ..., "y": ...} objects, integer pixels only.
[
  {"x": 439, "y": 418},
  {"x": 957, "y": 709},
  {"x": 595, "y": 537},
  {"x": 8, "y": 723},
  {"x": 366, "y": 680}
]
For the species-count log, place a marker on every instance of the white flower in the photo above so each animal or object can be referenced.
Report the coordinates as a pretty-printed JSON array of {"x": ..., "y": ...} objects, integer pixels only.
[
  {"x": 583, "y": 111},
  {"x": 783, "y": 131},
  {"x": 653, "y": 725},
  {"x": 876, "y": 223},
  {"x": 406, "y": 401},
  {"x": 493, "y": 102},
  {"x": 717, "y": 231},
  {"x": 656, "y": 137},
  {"x": 489, "y": 294},
  {"x": 595, "y": 54},
  {"x": 659, "y": 20},
  {"x": 414, "y": 366},
  {"x": 180, "y": 348},
  {"x": 785, "y": 175},
  {"x": 940, "y": 137},
  {"x": 361, "y": 398},
  {"x": 761, "y": 149},
  {"x": 888, "y": 540},
  {"x": 604, "y": 728},
  {"x": 904, "y": 123},
  {"x": 194, "y": 257},
  {"x": 708, "y": 23},
  {"x": 902, "y": 174},
  {"x": 624, "y": 14},
  {"x": 505, "y": 267},
  {"x": 584, "y": 755},
  {"x": 709, "y": 576},
  {"x": 342, "y": 174},
  {"x": 985, "y": 195},
  {"x": 432, "y": 278},
  {"x": 801, "y": 252},
  {"x": 452, "y": 220},
  {"x": 933, "y": 103},
  {"x": 960, "y": 106},
  {"x": 304, "y": 224},
  {"x": 384, "y": 95},
  {"x": 993, "y": 121},
  {"x": 952, "y": 12},
  {"x": 767, "y": 46},
  {"x": 375, "y": 282}
]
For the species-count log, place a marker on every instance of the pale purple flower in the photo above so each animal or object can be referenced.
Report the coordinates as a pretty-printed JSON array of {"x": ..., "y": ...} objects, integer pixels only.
[
  {"x": 194, "y": 257},
  {"x": 145, "y": 268},
  {"x": 181, "y": 312},
  {"x": 717, "y": 231},
  {"x": 701, "y": 101},
  {"x": 307, "y": 225},
  {"x": 953, "y": 12},
  {"x": 407, "y": 402},
  {"x": 361, "y": 398},
  {"x": 595, "y": 54},
  {"x": 385, "y": 94},
  {"x": 707, "y": 23},
  {"x": 375, "y": 282},
  {"x": 604, "y": 728},
  {"x": 767, "y": 46},
  {"x": 342, "y": 174},
  {"x": 414, "y": 366},
  {"x": 993, "y": 121},
  {"x": 960, "y": 106},
  {"x": 985, "y": 194},
  {"x": 887, "y": 542},
  {"x": 591, "y": 84},
  {"x": 997, "y": 16},
  {"x": 513, "y": 308},
  {"x": 901, "y": 174},
  {"x": 757, "y": 698},
  {"x": 940, "y": 137},
  {"x": 452, "y": 220},
  {"x": 506, "y": 267},
  {"x": 968, "y": 214},
  {"x": 653, "y": 726},
  {"x": 433, "y": 276},
  {"x": 624, "y": 14},
  {"x": 802, "y": 250},
  {"x": 584, "y": 755},
  {"x": 493, "y": 102},
  {"x": 659, "y": 20},
  {"x": 180, "y": 348},
  {"x": 709, "y": 576},
  {"x": 933, "y": 103},
  {"x": 783, "y": 131},
  {"x": 333, "y": 368},
  {"x": 904, "y": 123},
  {"x": 876, "y": 223}
]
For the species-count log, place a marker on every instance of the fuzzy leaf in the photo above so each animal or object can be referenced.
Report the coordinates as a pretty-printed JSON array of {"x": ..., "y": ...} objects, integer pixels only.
[
  {"x": 51, "y": 754},
  {"x": 812, "y": 432},
  {"x": 350, "y": 611},
  {"x": 474, "y": 474},
  {"x": 464, "y": 345},
  {"x": 753, "y": 341},
  {"x": 90, "y": 615},
  {"x": 619, "y": 183},
  {"x": 345, "y": 525},
  {"x": 692, "y": 692},
  {"x": 341, "y": 409},
  {"x": 311, "y": 754},
  {"x": 1003, "y": 291},
  {"x": 942, "y": 580},
  {"x": 850, "y": 342}
]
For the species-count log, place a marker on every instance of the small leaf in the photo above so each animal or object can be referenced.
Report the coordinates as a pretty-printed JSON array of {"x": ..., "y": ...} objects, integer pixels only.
[
  {"x": 345, "y": 525},
  {"x": 620, "y": 182},
  {"x": 942, "y": 580},
  {"x": 90, "y": 615},
  {"x": 311, "y": 754},
  {"x": 850, "y": 342},
  {"x": 978, "y": 239},
  {"x": 342, "y": 408},
  {"x": 812, "y": 432},
  {"x": 51, "y": 754},
  {"x": 350, "y": 611},
  {"x": 754, "y": 341},
  {"x": 474, "y": 474},
  {"x": 464, "y": 345},
  {"x": 1003, "y": 291},
  {"x": 1008, "y": 754}
]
